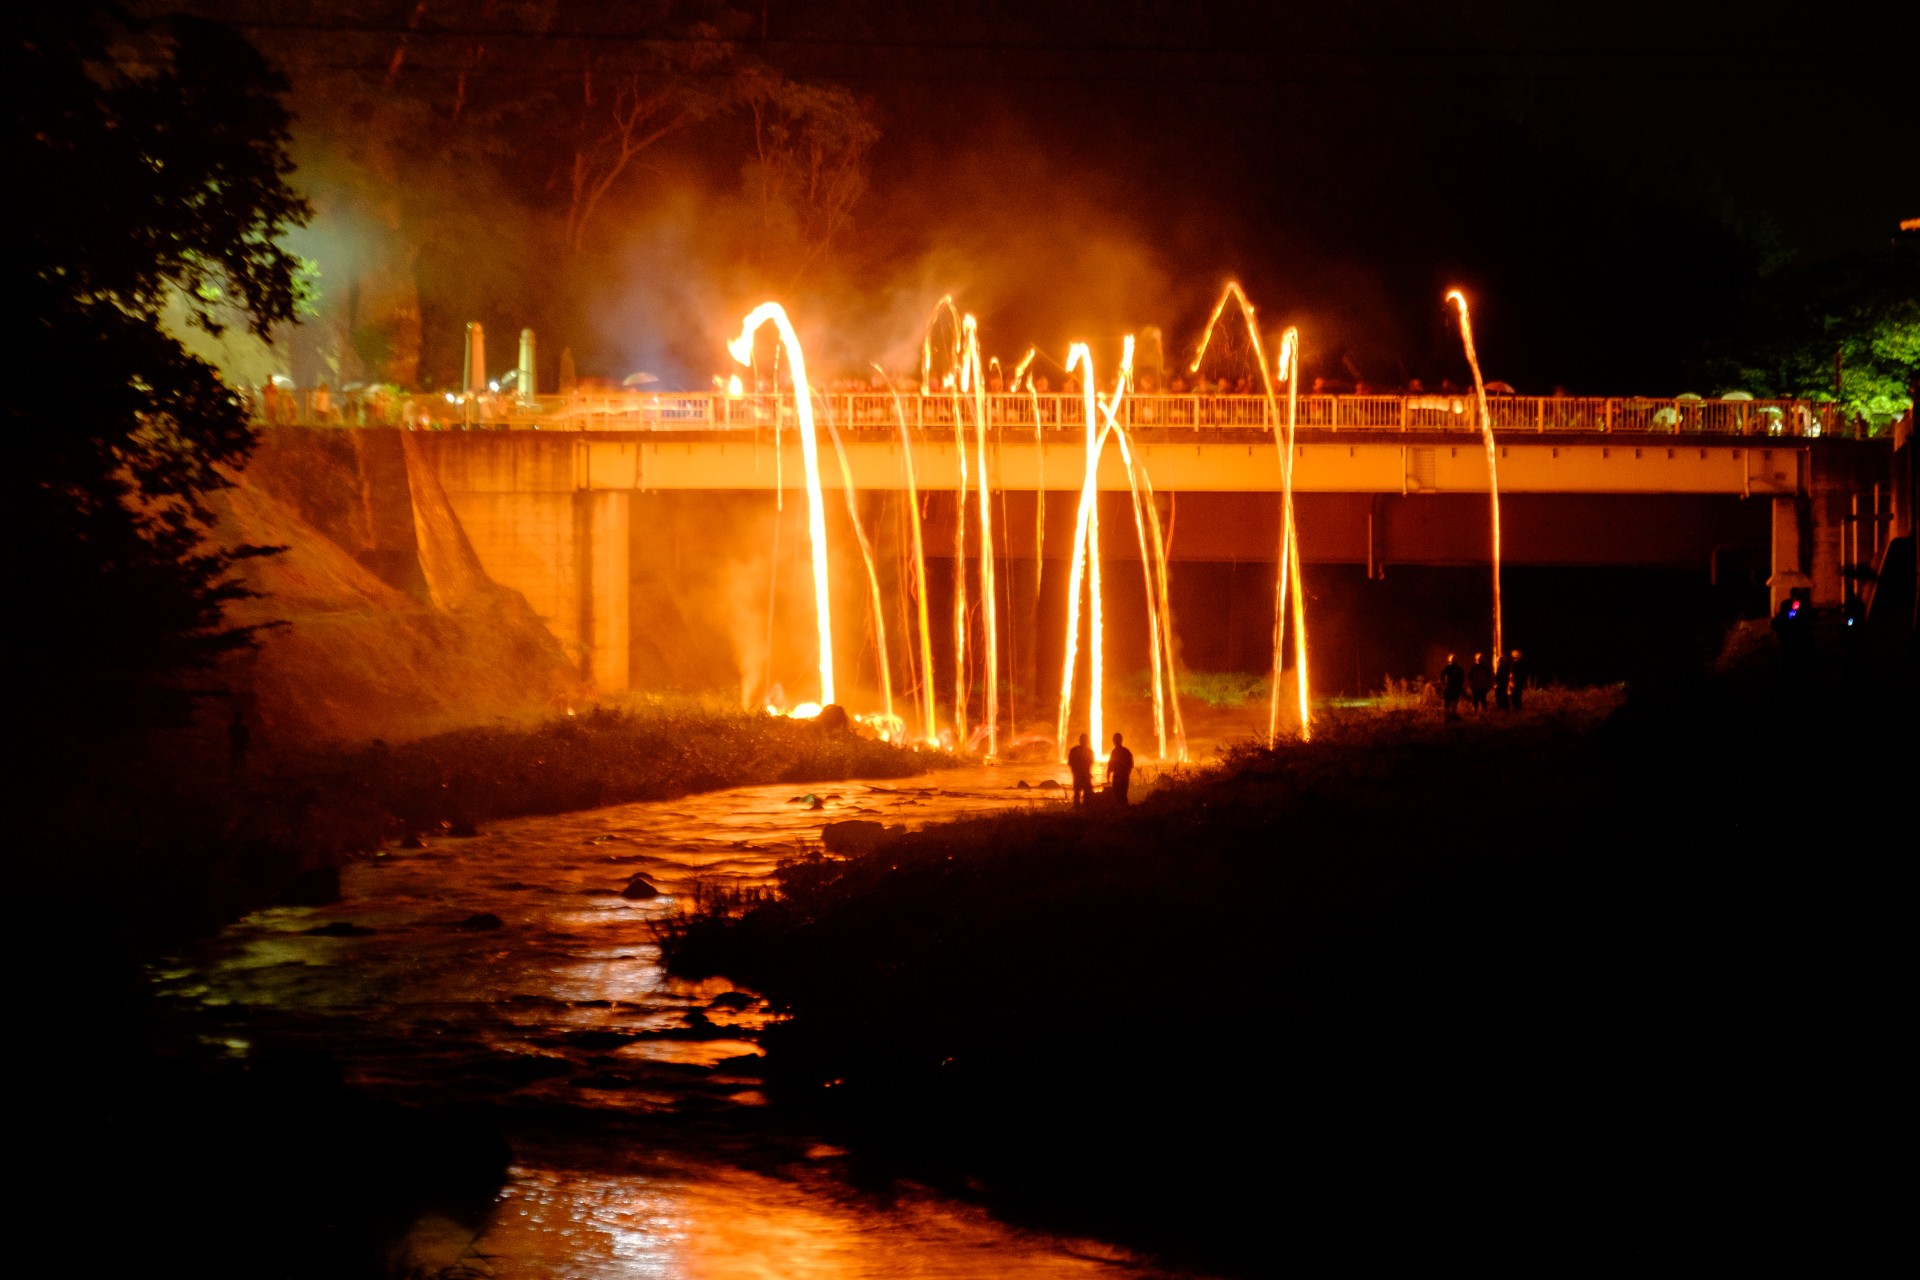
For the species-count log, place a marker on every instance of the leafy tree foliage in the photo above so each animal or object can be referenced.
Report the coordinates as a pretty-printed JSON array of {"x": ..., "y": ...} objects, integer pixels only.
[
  {"x": 1864, "y": 308},
  {"x": 149, "y": 163}
]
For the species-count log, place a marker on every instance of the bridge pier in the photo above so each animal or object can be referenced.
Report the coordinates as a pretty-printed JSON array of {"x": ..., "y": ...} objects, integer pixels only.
[
  {"x": 1790, "y": 547},
  {"x": 602, "y": 545},
  {"x": 538, "y": 528}
]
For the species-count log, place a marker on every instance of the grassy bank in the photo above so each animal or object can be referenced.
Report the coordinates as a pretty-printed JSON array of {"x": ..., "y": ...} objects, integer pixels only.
[
  {"x": 187, "y": 840},
  {"x": 1581, "y": 984}
]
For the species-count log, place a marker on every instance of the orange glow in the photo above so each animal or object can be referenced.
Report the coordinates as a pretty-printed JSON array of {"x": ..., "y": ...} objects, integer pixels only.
[
  {"x": 1159, "y": 603},
  {"x": 1459, "y": 300},
  {"x": 971, "y": 375},
  {"x": 1155, "y": 635},
  {"x": 928, "y": 728},
  {"x": 1290, "y": 557},
  {"x": 1289, "y": 554},
  {"x": 1040, "y": 464},
  {"x": 950, "y": 382},
  {"x": 1086, "y": 552},
  {"x": 741, "y": 349},
  {"x": 873, "y": 576}
]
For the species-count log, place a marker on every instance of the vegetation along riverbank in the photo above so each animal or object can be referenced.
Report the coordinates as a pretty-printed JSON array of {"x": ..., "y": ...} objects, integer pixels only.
[{"x": 1574, "y": 984}]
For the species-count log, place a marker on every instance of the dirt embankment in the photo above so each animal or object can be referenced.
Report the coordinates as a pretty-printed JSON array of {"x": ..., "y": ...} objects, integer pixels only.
[{"x": 387, "y": 625}]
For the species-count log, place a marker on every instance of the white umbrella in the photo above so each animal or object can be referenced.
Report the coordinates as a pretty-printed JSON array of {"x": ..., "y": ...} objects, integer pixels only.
[{"x": 638, "y": 380}]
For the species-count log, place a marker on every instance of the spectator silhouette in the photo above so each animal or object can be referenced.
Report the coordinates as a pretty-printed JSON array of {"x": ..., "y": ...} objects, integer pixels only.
[
  {"x": 1119, "y": 771},
  {"x": 1502, "y": 683},
  {"x": 1080, "y": 762},
  {"x": 1479, "y": 681},
  {"x": 1453, "y": 683},
  {"x": 1516, "y": 678}
]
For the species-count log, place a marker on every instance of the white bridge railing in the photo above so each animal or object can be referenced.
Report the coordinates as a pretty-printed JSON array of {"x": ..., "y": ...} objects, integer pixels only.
[{"x": 605, "y": 411}]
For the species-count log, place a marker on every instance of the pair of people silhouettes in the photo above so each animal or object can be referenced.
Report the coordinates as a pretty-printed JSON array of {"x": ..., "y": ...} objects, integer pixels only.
[{"x": 1119, "y": 771}]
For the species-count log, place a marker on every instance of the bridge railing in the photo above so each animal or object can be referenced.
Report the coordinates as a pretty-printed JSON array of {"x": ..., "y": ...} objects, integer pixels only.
[{"x": 1015, "y": 415}]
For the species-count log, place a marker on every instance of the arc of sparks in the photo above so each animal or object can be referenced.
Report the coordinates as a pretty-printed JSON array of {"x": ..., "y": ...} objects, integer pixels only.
[
  {"x": 1040, "y": 463},
  {"x": 1086, "y": 555},
  {"x": 1459, "y": 300},
  {"x": 741, "y": 348},
  {"x": 1153, "y": 567},
  {"x": 1154, "y": 635},
  {"x": 873, "y": 573},
  {"x": 1289, "y": 553},
  {"x": 956, "y": 371},
  {"x": 928, "y": 728},
  {"x": 990, "y": 650},
  {"x": 1290, "y": 544}
]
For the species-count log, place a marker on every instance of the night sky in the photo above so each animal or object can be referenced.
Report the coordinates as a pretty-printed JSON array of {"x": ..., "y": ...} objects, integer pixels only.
[
  {"x": 1610, "y": 183},
  {"x": 1608, "y": 180}
]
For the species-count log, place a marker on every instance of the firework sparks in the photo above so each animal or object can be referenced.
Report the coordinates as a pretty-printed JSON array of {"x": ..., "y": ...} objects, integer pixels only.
[
  {"x": 741, "y": 348},
  {"x": 928, "y": 728},
  {"x": 1289, "y": 552},
  {"x": 873, "y": 574},
  {"x": 1459, "y": 300},
  {"x": 990, "y": 647}
]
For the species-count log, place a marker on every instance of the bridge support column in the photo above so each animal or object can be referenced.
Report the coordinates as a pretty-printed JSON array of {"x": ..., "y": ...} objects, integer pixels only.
[
  {"x": 601, "y": 531},
  {"x": 1790, "y": 546}
]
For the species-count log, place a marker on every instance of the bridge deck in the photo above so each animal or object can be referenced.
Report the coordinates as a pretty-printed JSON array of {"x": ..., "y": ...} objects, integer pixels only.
[
  {"x": 1453, "y": 412},
  {"x": 1215, "y": 461}
]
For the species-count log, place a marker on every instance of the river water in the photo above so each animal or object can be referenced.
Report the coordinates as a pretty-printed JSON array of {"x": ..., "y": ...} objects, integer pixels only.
[{"x": 643, "y": 1145}]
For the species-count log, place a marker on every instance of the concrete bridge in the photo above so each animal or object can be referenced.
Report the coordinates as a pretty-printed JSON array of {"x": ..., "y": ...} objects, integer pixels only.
[{"x": 548, "y": 493}]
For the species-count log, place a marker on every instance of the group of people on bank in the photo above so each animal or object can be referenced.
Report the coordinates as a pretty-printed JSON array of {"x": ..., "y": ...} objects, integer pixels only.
[{"x": 1504, "y": 680}]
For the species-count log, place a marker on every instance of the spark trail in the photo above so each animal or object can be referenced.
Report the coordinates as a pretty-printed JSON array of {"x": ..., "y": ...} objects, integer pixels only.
[
  {"x": 990, "y": 648},
  {"x": 1459, "y": 300},
  {"x": 928, "y": 728},
  {"x": 1086, "y": 561},
  {"x": 1153, "y": 566},
  {"x": 1154, "y": 634},
  {"x": 741, "y": 348},
  {"x": 1288, "y": 552},
  {"x": 950, "y": 382},
  {"x": 873, "y": 578}
]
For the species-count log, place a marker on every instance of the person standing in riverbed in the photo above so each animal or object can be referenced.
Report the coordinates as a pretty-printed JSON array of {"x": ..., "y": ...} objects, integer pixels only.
[
  {"x": 1516, "y": 679},
  {"x": 1480, "y": 681},
  {"x": 1453, "y": 683},
  {"x": 1119, "y": 771},
  {"x": 1080, "y": 764}
]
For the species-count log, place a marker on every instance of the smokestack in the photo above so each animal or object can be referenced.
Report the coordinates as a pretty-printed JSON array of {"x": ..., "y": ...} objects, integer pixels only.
[
  {"x": 567, "y": 378},
  {"x": 524, "y": 382},
  {"x": 473, "y": 376}
]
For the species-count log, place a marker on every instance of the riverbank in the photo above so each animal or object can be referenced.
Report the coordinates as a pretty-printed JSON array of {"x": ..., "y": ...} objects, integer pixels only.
[
  {"x": 188, "y": 835},
  {"x": 1568, "y": 986},
  {"x": 243, "y": 1151}
]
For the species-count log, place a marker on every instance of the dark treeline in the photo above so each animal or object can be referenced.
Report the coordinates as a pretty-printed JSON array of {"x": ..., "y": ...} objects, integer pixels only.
[{"x": 1617, "y": 191}]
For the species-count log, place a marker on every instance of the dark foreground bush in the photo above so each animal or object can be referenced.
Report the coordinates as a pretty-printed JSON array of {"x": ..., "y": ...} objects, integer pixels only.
[{"x": 1556, "y": 990}]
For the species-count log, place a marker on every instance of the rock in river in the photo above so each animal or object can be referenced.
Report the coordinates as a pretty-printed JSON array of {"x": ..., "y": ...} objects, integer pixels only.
[{"x": 640, "y": 887}]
